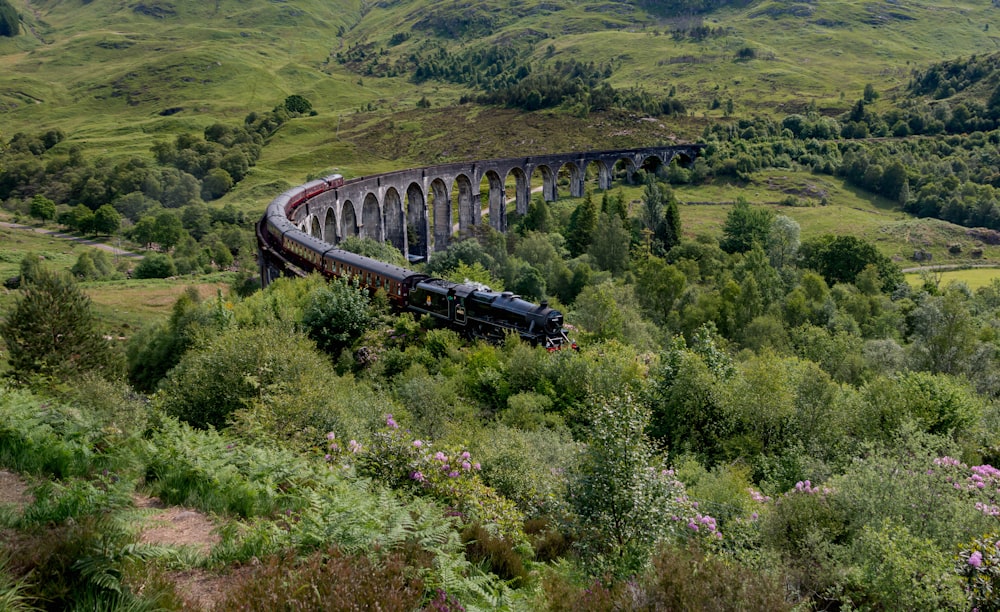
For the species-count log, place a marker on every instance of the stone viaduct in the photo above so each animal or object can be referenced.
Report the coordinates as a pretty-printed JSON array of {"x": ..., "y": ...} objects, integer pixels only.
[{"x": 414, "y": 209}]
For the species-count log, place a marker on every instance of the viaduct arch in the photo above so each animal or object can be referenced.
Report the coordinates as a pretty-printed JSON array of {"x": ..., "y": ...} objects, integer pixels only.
[{"x": 416, "y": 210}]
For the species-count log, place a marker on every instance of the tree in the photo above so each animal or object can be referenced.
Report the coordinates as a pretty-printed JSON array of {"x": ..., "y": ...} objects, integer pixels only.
[
  {"x": 243, "y": 366},
  {"x": 841, "y": 258},
  {"x": 624, "y": 503},
  {"x": 745, "y": 225},
  {"x": 51, "y": 331},
  {"x": 658, "y": 285},
  {"x": 79, "y": 218},
  {"x": 107, "y": 221},
  {"x": 672, "y": 223},
  {"x": 215, "y": 184},
  {"x": 168, "y": 230},
  {"x": 610, "y": 246},
  {"x": 337, "y": 314},
  {"x": 297, "y": 104},
  {"x": 582, "y": 224},
  {"x": 783, "y": 241},
  {"x": 43, "y": 208},
  {"x": 10, "y": 23}
]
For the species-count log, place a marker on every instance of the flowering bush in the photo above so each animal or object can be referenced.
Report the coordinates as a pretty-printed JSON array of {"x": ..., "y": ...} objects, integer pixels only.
[
  {"x": 979, "y": 564},
  {"x": 625, "y": 504},
  {"x": 397, "y": 459}
]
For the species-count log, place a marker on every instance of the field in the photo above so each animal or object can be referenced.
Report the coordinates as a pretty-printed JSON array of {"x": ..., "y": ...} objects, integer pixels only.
[{"x": 973, "y": 278}]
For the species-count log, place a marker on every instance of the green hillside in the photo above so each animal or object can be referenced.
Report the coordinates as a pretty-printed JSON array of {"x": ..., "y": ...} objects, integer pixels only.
[{"x": 113, "y": 75}]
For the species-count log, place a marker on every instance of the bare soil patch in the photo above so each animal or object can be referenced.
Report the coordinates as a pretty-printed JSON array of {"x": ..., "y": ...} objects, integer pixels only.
[
  {"x": 13, "y": 490},
  {"x": 202, "y": 589},
  {"x": 176, "y": 526}
]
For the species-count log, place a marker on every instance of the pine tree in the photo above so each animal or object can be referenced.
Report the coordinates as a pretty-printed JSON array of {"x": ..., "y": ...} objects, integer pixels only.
[
  {"x": 51, "y": 331},
  {"x": 582, "y": 224},
  {"x": 672, "y": 220}
]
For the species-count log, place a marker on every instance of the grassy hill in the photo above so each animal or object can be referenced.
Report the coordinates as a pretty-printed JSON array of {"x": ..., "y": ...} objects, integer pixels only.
[{"x": 114, "y": 75}]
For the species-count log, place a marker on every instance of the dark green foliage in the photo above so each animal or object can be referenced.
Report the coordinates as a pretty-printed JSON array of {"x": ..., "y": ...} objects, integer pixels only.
[
  {"x": 151, "y": 353},
  {"x": 51, "y": 331},
  {"x": 330, "y": 580},
  {"x": 498, "y": 554},
  {"x": 240, "y": 367},
  {"x": 582, "y": 224},
  {"x": 10, "y": 23},
  {"x": 43, "y": 208},
  {"x": 840, "y": 259},
  {"x": 336, "y": 314},
  {"x": 156, "y": 265},
  {"x": 368, "y": 247},
  {"x": 79, "y": 218},
  {"x": 297, "y": 104},
  {"x": 107, "y": 221},
  {"x": 468, "y": 252},
  {"x": 610, "y": 247},
  {"x": 745, "y": 225},
  {"x": 92, "y": 265}
]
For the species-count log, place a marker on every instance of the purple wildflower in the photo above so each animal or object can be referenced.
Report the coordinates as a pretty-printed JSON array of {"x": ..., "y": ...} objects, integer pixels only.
[
  {"x": 417, "y": 443},
  {"x": 390, "y": 422},
  {"x": 976, "y": 559}
]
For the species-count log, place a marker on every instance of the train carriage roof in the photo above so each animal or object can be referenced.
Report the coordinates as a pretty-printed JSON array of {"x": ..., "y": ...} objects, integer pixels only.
[{"x": 369, "y": 265}]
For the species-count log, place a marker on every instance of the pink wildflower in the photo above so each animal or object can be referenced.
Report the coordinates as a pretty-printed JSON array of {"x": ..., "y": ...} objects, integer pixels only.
[
  {"x": 354, "y": 446},
  {"x": 466, "y": 455},
  {"x": 439, "y": 456},
  {"x": 466, "y": 466},
  {"x": 976, "y": 559},
  {"x": 417, "y": 476},
  {"x": 476, "y": 466},
  {"x": 331, "y": 435},
  {"x": 390, "y": 422},
  {"x": 417, "y": 443}
]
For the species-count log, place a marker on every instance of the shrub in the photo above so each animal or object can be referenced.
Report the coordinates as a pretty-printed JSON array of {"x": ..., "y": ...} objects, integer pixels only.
[
  {"x": 328, "y": 580},
  {"x": 240, "y": 368},
  {"x": 155, "y": 265},
  {"x": 498, "y": 554}
]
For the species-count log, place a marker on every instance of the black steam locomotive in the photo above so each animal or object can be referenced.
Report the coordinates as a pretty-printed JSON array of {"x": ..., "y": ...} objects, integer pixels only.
[{"x": 472, "y": 310}]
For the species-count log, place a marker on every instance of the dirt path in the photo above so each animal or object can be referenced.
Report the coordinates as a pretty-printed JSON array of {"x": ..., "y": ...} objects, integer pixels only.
[
  {"x": 13, "y": 490},
  {"x": 175, "y": 526},
  {"x": 87, "y": 241}
]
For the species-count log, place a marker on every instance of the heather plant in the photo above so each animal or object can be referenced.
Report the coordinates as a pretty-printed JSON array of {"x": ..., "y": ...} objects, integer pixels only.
[
  {"x": 396, "y": 458},
  {"x": 329, "y": 580},
  {"x": 978, "y": 565}
]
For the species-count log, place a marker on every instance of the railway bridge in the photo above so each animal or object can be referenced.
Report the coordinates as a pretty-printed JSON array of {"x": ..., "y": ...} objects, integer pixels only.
[{"x": 413, "y": 209}]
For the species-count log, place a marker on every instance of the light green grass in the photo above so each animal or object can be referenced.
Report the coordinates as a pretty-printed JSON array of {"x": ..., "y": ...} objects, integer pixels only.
[{"x": 973, "y": 278}]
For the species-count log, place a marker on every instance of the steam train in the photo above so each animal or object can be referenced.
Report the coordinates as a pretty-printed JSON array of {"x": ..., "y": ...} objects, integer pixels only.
[{"x": 472, "y": 310}]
